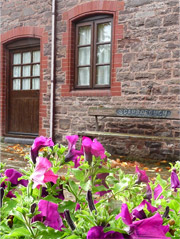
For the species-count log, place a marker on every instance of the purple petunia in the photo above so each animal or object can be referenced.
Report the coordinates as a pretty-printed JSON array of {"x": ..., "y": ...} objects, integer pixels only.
[
  {"x": 73, "y": 154},
  {"x": 13, "y": 176},
  {"x": 91, "y": 148},
  {"x": 142, "y": 177},
  {"x": 39, "y": 143},
  {"x": 175, "y": 183},
  {"x": 151, "y": 227},
  {"x": 49, "y": 215},
  {"x": 102, "y": 176},
  {"x": 98, "y": 233}
]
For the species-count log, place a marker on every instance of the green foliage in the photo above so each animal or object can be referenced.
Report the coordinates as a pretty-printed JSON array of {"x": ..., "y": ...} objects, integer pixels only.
[{"x": 16, "y": 215}]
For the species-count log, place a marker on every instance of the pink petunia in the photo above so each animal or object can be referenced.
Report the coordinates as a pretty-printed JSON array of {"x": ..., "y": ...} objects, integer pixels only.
[{"x": 42, "y": 173}]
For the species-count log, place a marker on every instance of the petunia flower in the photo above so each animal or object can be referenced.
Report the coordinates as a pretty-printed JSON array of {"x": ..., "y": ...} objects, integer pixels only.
[
  {"x": 102, "y": 176},
  {"x": 175, "y": 183},
  {"x": 91, "y": 148},
  {"x": 157, "y": 191},
  {"x": 13, "y": 176},
  {"x": 39, "y": 143},
  {"x": 142, "y": 177},
  {"x": 151, "y": 227},
  {"x": 49, "y": 215},
  {"x": 98, "y": 233},
  {"x": 138, "y": 211},
  {"x": 42, "y": 173},
  {"x": 72, "y": 154}
]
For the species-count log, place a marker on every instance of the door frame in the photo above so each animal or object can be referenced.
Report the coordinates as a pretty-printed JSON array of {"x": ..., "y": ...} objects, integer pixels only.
[{"x": 12, "y": 36}]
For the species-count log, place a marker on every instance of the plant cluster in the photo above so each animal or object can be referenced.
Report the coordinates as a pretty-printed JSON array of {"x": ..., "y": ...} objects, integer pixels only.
[{"x": 70, "y": 193}]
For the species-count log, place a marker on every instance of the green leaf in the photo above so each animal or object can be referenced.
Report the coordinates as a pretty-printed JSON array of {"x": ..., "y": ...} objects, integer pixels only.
[
  {"x": 74, "y": 186},
  {"x": 66, "y": 205},
  {"x": 85, "y": 186},
  {"x": 174, "y": 205},
  {"x": 17, "y": 232},
  {"x": 79, "y": 174},
  {"x": 52, "y": 199}
]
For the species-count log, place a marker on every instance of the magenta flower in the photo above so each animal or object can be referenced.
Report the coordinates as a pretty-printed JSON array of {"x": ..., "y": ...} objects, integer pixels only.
[
  {"x": 142, "y": 177},
  {"x": 151, "y": 227},
  {"x": 175, "y": 183},
  {"x": 72, "y": 154},
  {"x": 138, "y": 211},
  {"x": 98, "y": 233},
  {"x": 13, "y": 176},
  {"x": 157, "y": 192},
  {"x": 92, "y": 148},
  {"x": 42, "y": 173},
  {"x": 49, "y": 215},
  {"x": 39, "y": 143},
  {"x": 102, "y": 176}
]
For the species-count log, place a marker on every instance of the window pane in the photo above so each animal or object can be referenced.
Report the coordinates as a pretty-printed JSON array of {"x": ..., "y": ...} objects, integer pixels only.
[
  {"x": 103, "y": 53},
  {"x": 104, "y": 32},
  {"x": 36, "y": 56},
  {"x": 26, "y": 70},
  {"x": 26, "y": 84},
  {"x": 84, "y": 56},
  {"x": 36, "y": 70},
  {"x": 83, "y": 76},
  {"x": 17, "y": 58},
  {"x": 35, "y": 84},
  {"x": 16, "y": 84},
  {"x": 103, "y": 75},
  {"x": 84, "y": 35},
  {"x": 16, "y": 71},
  {"x": 26, "y": 57}
]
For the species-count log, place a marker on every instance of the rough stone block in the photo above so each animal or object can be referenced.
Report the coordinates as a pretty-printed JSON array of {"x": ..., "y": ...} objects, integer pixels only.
[{"x": 170, "y": 20}]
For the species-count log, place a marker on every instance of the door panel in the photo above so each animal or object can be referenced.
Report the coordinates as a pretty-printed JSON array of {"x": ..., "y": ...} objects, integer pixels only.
[{"x": 24, "y": 84}]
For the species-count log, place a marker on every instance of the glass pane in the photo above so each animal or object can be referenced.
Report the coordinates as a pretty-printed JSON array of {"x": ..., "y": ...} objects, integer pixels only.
[
  {"x": 16, "y": 84},
  {"x": 104, "y": 32},
  {"x": 26, "y": 57},
  {"x": 35, "y": 84},
  {"x": 84, "y": 35},
  {"x": 84, "y": 56},
  {"x": 103, "y": 75},
  {"x": 17, "y": 58},
  {"x": 103, "y": 53},
  {"x": 26, "y": 70},
  {"x": 36, "y": 56},
  {"x": 84, "y": 76},
  {"x": 36, "y": 70},
  {"x": 16, "y": 71},
  {"x": 26, "y": 84}
]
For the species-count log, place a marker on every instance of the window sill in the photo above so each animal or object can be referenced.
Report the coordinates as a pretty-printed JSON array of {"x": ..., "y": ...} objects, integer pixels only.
[{"x": 90, "y": 93}]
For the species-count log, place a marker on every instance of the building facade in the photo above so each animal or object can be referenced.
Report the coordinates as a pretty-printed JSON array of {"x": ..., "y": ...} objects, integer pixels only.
[{"x": 115, "y": 54}]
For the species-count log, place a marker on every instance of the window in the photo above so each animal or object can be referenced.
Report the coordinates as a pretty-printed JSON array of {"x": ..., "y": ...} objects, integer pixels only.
[
  {"x": 93, "y": 52},
  {"x": 25, "y": 74}
]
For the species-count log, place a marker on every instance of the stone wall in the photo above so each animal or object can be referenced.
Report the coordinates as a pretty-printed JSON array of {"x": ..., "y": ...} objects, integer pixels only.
[
  {"x": 149, "y": 78},
  {"x": 149, "y": 74}
]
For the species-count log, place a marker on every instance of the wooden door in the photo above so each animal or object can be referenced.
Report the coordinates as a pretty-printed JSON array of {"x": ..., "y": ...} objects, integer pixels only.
[{"x": 24, "y": 86}]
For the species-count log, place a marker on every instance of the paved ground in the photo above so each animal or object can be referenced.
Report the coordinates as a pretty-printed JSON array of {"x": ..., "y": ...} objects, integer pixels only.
[{"x": 14, "y": 157}]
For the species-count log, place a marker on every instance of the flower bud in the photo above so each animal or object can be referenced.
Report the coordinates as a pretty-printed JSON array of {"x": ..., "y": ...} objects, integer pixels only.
[
  {"x": 90, "y": 201},
  {"x": 1, "y": 195},
  {"x": 166, "y": 212},
  {"x": 33, "y": 207},
  {"x": 69, "y": 220}
]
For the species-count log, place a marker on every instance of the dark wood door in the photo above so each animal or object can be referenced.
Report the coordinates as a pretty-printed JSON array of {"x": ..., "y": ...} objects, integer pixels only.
[{"x": 24, "y": 85}]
